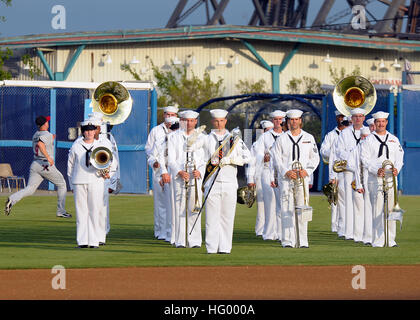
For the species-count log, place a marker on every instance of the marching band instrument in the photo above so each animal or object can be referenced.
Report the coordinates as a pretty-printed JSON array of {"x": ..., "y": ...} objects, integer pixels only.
[
  {"x": 354, "y": 92},
  {"x": 340, "y": 166},
  {"x": 101, "y": 159},
  {"x": 304, "y": 210},
  {"x": 113, "y": 100},
  {"x": 331, "y": 191},
  {"x": 246, "y": 195},
  {"x": 396, "y": 210}
]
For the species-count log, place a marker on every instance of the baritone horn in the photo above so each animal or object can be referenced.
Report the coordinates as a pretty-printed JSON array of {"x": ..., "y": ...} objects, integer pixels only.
[
  {"x": 396, "y": 212},
  {"x": 113, "y": 100},
  {"x": 101, "y": 159},
  {"x": 354, "y": 92},
  {"x": 304, "y": 210}
]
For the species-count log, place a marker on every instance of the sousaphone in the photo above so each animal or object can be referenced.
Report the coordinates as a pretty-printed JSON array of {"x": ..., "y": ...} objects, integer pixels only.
[
  {"x": 354, "y": 92},
  {"x": 113, "y": 100}
]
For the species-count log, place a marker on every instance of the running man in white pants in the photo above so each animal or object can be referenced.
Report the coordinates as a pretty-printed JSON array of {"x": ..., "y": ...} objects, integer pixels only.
[{"x": 42, "y": 167}]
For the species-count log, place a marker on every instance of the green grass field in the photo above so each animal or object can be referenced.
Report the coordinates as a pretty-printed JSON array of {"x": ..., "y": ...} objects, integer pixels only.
[{"x": 32, "y": 237}]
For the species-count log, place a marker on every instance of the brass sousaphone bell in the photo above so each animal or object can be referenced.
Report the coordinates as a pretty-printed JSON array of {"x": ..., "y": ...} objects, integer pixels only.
[
  {"x": 354, "y": 92},
  {"x": 101, "y": 159},
  {"x": 113, "y": 100}
]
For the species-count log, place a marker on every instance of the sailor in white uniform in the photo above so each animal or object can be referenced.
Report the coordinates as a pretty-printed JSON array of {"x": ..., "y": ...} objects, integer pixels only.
[
  {"x": 186, "y": 163},
  {"x": 379, "y": 146},
  {"x": 254, "y": 176},
  {"x": 87, "y": 184},
  {"x": 361, "y": 178},
  {"x": 225, "y": 151},
  {"x": 160, "y": 150},
  {"x": 294, "y": 145},
  {"x": 346, "y": 144},
  {"x": 325, "y": 151},
  {"x": 113, "y": 183},
  {"x": 271, "y": 193},
  {"x": 161, "y": 195}
]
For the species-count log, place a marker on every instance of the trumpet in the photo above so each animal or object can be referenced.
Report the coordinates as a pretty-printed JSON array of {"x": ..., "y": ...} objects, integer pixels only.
[
  {"x": 101, "y": 159},
  {"x": 385, "y": 188}
]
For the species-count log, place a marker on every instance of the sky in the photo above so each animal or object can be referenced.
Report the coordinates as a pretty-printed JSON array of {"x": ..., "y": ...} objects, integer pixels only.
[{"x": 26, "y": 17}]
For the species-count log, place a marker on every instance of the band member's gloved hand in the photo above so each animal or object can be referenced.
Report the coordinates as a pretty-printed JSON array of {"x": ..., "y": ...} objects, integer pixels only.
[{"x": 231, "y": 160}]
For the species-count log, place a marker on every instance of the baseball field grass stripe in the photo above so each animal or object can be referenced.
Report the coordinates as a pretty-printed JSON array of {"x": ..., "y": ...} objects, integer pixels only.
[{"x": 33, "y": 237}]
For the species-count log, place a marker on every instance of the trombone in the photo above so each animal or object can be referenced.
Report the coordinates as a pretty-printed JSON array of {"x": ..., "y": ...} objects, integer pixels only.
[
  {"x": 388, "y": 166},
  {"x": 303, "y": 210}
]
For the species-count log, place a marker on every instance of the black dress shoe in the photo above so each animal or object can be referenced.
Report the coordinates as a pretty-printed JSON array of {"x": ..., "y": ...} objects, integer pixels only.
[
  {"x": 395, "y": 246},
  {"x": 82, "y": 246},
  {"x": 304, "y": 247},
  {"x": 221, "y": 252},
  {"x": 101, "y": 243},
  {"x": 180, "y": 246},
  {"x": 196, "y": 247},
  {"x": 93, "y": 247},
  {"x": 287, "y": 246}
]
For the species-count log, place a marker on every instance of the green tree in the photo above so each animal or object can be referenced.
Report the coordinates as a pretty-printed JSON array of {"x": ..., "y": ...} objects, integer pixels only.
[
  {"x": 7, "y": 53},
  {"x": 306, "y": 85},
  {"x": 181, "y": 86},
  {"x": 4, "y": 55},
  {"x": 7, "y": 3},
  {"x": 337, "y": 75},
  {"x": 249, "y": 86}
]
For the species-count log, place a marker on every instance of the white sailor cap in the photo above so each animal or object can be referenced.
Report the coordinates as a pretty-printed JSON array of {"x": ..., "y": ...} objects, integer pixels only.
[
  {"x": 294, "y": 113},
  {"x": 171, "y": 120},
  {"x": 173, "y": 109},
  {"x": 358, "y": 111},
  {"x": 189, "y": 114},
  {"x": 266, "y": 124},
  {"x": 370, "y": 121},
  {"x": 218, "y": 113},
  {"x": 277, "y": 113},
  {"x": 338, "y": 113},
  {"x": 380, "y": 115},
  {"x": 365, "y": 131},
  {"x": 90, "y": 122}
]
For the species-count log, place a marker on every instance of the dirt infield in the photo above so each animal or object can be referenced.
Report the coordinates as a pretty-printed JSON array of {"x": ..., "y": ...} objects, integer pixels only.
[{"x": 214, "y": 283}]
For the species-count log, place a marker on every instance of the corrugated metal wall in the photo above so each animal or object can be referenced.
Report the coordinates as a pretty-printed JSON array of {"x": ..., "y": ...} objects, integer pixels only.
[{"x": 92, "y": 66}]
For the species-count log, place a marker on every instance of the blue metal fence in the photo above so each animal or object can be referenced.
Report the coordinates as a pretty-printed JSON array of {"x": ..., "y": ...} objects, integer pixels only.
[{"x": 19, "y": 106}]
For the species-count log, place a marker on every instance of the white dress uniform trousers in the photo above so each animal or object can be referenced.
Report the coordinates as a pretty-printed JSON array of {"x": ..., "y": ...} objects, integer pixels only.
[
  {"x": 325, "y": 151},
  {"x": 253, "y": 173},
  {"x": 272, "y": 212},
  {"x": 341, "y": 207}
]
